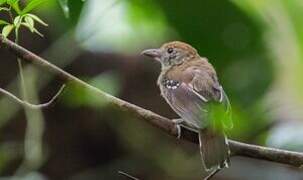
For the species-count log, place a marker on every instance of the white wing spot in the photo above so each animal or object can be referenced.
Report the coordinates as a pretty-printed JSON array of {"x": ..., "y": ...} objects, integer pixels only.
[{"x": 171, "y": 84}]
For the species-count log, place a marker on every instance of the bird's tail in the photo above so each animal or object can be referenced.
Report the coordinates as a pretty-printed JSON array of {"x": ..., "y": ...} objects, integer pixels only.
[{"x": 214, "y": 149}]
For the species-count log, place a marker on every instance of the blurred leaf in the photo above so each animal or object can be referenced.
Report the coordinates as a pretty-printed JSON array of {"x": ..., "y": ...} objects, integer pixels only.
[
  {"x": 218, "y": 117},
  {"x": 32, "y": 29},
  {"x": 2, "y": 22},
  {"x": 79, "y": 96},
  {"x": 32, "y": 5},
  {"x": 36, "y": 18},
  {"x": 64, "y": 6},
  {"x": 4, "y": 9},
  {"x": 18, "y": 21},
  {"x": 30, "y": 22},
  {"x": 15, "y": 5},
  {"x": 136, "y": 23},
  {"x": 7, "y": 29},
  {"x": 2, "y": 2},
  {"x": 10, "y": 2}
]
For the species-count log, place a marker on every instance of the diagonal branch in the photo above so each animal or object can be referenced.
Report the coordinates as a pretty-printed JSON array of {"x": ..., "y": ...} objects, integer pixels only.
[{"x": 237, "y": 148}]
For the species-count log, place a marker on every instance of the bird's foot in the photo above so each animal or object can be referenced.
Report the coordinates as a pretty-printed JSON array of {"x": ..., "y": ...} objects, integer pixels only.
[
  {"x": 178, "y": 123},
  {"x": 179, "y": 131}
]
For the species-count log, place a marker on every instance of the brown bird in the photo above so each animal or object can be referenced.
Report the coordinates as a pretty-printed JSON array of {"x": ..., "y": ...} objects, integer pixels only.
[{"x": 190, "y": 86}]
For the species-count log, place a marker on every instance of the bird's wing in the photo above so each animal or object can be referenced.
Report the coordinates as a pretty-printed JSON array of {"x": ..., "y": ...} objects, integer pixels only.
[
  {"x": 186, "y": 103},
  {"x": 199, "y": 101}
]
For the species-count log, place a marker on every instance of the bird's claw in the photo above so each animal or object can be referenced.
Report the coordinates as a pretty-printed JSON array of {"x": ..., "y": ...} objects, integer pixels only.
[
  {"x": 181, "y": 123},
  {"x": 179, "y": 131},
  {"x": 178, "y": 123}
]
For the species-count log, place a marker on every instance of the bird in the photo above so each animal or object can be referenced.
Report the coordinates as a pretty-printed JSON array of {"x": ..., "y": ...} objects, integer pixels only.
[{"x": 189, "y": 84}]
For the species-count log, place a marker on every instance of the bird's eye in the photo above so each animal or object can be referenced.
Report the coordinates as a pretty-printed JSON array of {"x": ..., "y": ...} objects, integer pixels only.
[{"x": 170, "y": 50}]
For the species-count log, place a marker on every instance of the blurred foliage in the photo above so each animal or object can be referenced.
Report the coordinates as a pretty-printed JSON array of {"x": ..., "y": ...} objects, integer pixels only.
[
  {"x": 283, "y": 36},
  {"x": 77, "y": 96},
  {"x": 65, "y": 7},
  {"x": 123, "y": 26}
]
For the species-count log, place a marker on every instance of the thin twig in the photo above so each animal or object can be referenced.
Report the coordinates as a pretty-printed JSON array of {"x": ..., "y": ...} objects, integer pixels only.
[
  {"x": 165, "y": 124},
  {"x": 127, "y": 175},
  {"x": 212, "y": 174},
  {"x": 33, "y": 106}
]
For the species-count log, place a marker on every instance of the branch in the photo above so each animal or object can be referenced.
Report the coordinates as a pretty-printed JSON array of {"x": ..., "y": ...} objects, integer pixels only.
[
  {"x": 127, "y": 175},
  {"x": 237, "y": 148},
  {"x": 30, "y": 105}
]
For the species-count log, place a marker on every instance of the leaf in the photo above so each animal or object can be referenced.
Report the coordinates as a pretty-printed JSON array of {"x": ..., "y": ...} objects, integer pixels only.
[
  {"x": 36, "y": 18},
  {"x": 18, "y": 21},
  {"x": 30, "y": 22},
  {"x": 32, "y": 29},
  {"x": 11, "y": 2},
  {"x": 7, "y": 29},
  {"x": 2, "y": 2},
  {"x": 32, "y": 5},
  {"x": 64, "y": 6},
  {"x": 3, "y": 22},
  {"x": 37, "y": 32},
  {"x": 3, "y": 9},
  {"x": 15, "y": 5}
]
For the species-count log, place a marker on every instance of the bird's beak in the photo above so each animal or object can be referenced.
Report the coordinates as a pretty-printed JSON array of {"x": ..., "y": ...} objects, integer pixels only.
[{"x": 153, "y": 53}]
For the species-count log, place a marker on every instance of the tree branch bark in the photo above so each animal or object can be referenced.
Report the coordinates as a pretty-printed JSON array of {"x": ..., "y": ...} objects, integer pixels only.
[{"x": 237, "y": 148}]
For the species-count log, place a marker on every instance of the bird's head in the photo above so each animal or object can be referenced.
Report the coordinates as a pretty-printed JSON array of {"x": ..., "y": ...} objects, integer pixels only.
[{"x": 172, "y": 53}]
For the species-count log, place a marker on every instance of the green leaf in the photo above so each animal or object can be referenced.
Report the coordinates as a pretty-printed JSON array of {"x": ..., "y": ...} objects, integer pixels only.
[
  {"x": 30, "y": 22},
  {"x": 36, "y": 18},
  {"x": 32, "y": 5},
  {"x": 64, "y": 6},
  {"x": 15, "y": 5},
  {"x": 18, "y": 21},
  {"x": 37, "y": 32},
  {"x": 32, "y": 29},
  {"x": 7, "y": 29},
  {"x": 10, "y": 2},
  {"x": 4, "y": 8},
  {"x": 2, "y": 2},
  {"x": 3, "y": 22}
]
